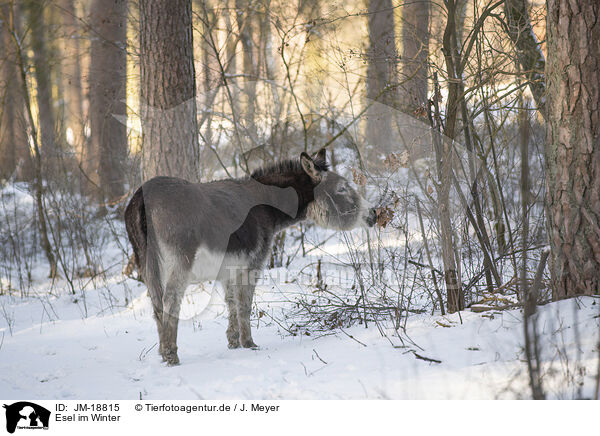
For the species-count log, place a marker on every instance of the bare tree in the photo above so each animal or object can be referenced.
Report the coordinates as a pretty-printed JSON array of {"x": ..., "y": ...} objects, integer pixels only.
[
  {"x": 456, "y": 298},
  {"x": 415, "y": 50},
  {"x": 46, "y": 113},
  {"x": 314, "y": 72},
  {"x": 14, "y": 149},
  {"x": 246, "y": 22},
  {"x": 168, "y": 90},
  {"x": 72, "y": 77},
  {"x": 572, "y": 146},
  {"x": 210, "y": 70},
  {"x": 9, "y": 15},
  {"x": 108, "y": 77},
  {"x": 382, "y": 73},
  {"x": 529, "y": 53}
]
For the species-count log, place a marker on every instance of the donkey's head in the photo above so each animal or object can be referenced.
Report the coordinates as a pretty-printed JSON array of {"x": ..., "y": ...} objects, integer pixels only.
[{"x": 336, "y": 204}]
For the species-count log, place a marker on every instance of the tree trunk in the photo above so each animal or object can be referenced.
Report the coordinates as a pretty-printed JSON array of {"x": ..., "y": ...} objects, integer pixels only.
[
  {"x": 382, "y": 75},
  {"x": 573, "y": 146},
  {"x": 415, "y": 50},
  {"x": 46, "y": 115},
  {"x": 314, "y": 71},
  {"x": 38, "y": 183},
  {"x": 210, "y": 81},
  {"x": 108, "y": 78},
  {"x": 168, "y": 90},
  {"x": 71, "y": 66},
  {"x": 14, "y": 149},
  {"x": 529, "y": 53},
  {"x": 271, "y": 65},
  {"x": 456, "y": 297},
  {"x": 246, "y": 21},
  {"x": 230, "y": 67},
  {"x": 524, "y": 138}
]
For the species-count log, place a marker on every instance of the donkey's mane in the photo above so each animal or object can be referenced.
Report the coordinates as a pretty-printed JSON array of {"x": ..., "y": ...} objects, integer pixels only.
[{"x": 287, "y": 166}]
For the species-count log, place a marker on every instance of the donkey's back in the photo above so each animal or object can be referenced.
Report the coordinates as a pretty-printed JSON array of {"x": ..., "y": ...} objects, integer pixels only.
[{"x": 174, "y": 214}]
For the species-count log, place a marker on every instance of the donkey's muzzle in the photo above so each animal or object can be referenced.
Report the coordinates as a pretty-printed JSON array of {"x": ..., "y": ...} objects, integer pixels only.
[{"x": 371, "y": 219}]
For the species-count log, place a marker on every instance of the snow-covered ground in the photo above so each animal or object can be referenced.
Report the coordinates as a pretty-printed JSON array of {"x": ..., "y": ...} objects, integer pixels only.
[
  {"x": 103, "y": 346},
  {"x": 85, "y": 338}
]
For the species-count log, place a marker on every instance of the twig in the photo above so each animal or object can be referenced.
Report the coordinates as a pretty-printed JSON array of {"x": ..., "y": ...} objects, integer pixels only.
[
  {"x": 426, "y": 359},
  {"x": 433, "y": 270},
  {"x": 420, "y": 265},
  {"x": 316, "y": 354},
  {"x": 352, "y": 337},
  {"x": 145, "y": 352}
]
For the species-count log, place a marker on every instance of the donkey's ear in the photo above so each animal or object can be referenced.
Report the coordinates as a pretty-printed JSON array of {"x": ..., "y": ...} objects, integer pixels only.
[
  {"x": 320, "y": 160},
  {"x": 309, "y": 167},
  {"x": 322, "y": 155}
]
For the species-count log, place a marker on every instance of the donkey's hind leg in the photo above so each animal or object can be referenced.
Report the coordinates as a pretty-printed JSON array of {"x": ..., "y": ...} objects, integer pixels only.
[
  {"x": 174, "y": 291},
  {"x": 151, "y": 276},
  {"x": 158, "y": 316}
]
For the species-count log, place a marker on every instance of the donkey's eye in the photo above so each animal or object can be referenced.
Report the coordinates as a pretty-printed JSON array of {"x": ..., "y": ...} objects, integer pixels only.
[{"x": 342, "y": 190}]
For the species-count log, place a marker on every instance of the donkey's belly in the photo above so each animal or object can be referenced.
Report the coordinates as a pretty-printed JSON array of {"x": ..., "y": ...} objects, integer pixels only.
[{"x": 211, "y": 265}]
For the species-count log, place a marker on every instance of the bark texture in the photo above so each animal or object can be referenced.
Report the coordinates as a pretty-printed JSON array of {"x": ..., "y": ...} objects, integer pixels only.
[
  {"x": 456, "y": 297},
  {"x": 314, "y": 68},
  {"x": 573, "y": 146},
  {"x": 529, "y": 53},
  {"x": 246, "y": 22},
  {"x": 46, "y": 115},
  {"x": 15, "y": 158},
  {"x": 168, "y": 90},
  {"x": 108, "y": 85},
  {"x": 71, "y": 75},
  {"x": 415, "y": 50},
  {"x": 382, "y": 71}
]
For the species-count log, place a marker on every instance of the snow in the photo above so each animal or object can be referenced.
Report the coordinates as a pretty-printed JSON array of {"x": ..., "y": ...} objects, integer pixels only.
[{"x": 56, "y": 352}]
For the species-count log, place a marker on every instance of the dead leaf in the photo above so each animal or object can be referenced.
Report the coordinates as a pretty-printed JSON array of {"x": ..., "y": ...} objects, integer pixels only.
[
  {"x": 421, "y": 111},
  {"x": 358, "y": 177},
  {"x": 384, "y": 216},
  {"x": 392, "y": 162},
  {"x": 396, "y": 200},
  {"x": 404, "y": 159}
]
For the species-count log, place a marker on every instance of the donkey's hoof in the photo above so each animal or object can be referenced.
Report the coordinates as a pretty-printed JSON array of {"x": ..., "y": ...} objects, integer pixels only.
[
  {"x": 172, "y": 361},
  {"x": 233, "y": 345},
  {"x": 250, "y": 344},
  {"x": 171, "y": 358}
]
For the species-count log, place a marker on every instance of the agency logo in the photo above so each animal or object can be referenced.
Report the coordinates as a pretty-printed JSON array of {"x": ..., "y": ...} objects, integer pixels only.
[{"x": 26, "y": 415}]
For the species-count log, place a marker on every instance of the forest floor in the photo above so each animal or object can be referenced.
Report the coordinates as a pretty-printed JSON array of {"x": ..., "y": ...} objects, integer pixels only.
[{"x": 101, "y": 344}]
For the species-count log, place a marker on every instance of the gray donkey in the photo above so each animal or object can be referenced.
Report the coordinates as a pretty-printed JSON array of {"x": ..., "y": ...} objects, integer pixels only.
[{"x": 185, "y": 233}]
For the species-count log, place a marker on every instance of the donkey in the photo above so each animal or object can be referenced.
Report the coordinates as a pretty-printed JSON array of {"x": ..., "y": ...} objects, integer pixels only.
[{"x": 184, "y": 233}]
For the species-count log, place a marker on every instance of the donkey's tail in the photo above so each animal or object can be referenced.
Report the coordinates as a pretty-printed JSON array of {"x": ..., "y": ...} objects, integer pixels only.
[
  {"x": 145, "y": 253},
  {"x": 137, "y": 230}
]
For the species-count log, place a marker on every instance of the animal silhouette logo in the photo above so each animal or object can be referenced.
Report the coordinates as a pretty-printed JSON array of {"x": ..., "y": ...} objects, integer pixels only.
[{"x": 26, "y": 415}]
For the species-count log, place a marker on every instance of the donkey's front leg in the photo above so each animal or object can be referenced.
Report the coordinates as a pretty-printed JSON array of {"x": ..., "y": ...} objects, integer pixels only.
[
  {"x": 233, "y": 330},
  {"x": 244, "y": 297}
]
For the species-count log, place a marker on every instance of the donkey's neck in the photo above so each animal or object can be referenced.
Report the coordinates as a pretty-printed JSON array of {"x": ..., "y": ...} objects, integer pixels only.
[{"x": 296, "y": 188}]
